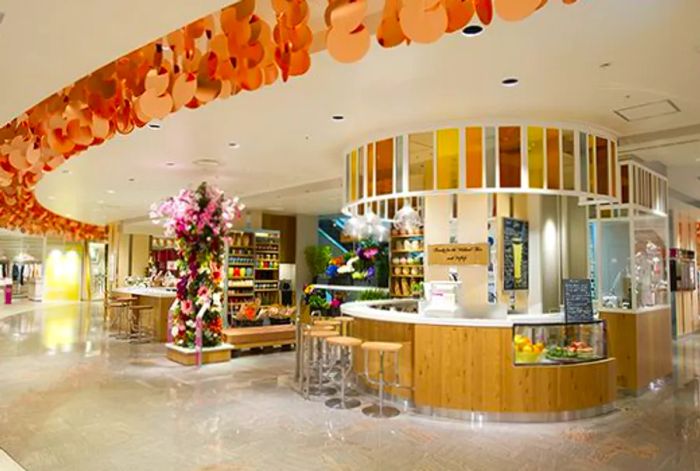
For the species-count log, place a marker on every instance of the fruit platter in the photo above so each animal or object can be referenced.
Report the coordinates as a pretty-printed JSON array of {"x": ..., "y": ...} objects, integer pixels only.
[
  {"x": 574, "y": 352},
  {"x": 526, "y": 351}
]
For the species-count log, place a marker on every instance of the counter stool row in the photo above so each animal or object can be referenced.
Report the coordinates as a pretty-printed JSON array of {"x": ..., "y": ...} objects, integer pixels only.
[
  {"x": 328, "y": 351},
  {"x": 129, "y": 321}
]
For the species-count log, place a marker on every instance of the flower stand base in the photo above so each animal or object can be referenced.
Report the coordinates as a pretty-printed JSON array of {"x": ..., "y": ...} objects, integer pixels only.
[{"x": 187, "y": 356}]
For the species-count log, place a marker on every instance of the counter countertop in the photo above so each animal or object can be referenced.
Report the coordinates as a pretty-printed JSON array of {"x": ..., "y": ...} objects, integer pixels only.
[
  {"x": 151, "y": 292},
  {"x": 365, "y": 310}
]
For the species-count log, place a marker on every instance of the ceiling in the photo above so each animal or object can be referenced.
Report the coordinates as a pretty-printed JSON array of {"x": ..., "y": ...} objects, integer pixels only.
[{"x": 290, "y": 153}]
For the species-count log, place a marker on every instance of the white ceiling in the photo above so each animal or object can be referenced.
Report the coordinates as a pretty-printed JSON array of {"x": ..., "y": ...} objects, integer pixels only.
[{"x": 287, "y": 138}]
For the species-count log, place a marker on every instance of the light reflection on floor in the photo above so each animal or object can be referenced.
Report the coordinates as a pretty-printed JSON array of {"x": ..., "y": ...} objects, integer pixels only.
[{"x": 72, "y": 399}]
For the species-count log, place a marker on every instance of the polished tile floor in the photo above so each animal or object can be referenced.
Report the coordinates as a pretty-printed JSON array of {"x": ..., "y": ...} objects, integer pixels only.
[{"x": 71, "y": 399}]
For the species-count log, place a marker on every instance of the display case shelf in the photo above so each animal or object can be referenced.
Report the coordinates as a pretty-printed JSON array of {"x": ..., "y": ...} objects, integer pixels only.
[{"x": 559, "y": 343}]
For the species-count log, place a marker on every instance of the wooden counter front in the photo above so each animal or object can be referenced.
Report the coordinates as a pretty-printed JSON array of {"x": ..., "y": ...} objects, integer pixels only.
[
  {"x": 471, "y": 369},
  {"x": 642, "y": 344}
]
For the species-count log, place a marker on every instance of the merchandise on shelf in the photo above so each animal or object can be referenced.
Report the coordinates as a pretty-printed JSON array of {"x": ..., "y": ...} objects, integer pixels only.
[{"x": 406, "y": 262}]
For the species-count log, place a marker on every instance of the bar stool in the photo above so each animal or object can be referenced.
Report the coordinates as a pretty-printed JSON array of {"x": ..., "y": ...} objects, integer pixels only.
[
  {"x": 118, "y": 316},
  {"x": 335, "y": 324},
  {"x": 345, "y": 322},
  {"x": 318, "y": 361},
  {"x": 304, "y": 346},
  {"x": 380, "y": 410},
  {"x": 345, "y": 346},
  {"x": 140, "y": 331}
]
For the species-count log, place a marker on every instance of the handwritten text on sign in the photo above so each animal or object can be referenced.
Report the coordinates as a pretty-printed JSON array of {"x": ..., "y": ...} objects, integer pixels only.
[{"x": 458, "y": 254}]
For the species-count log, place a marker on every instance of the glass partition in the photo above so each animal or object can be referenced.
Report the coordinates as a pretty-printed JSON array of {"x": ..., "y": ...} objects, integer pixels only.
[{"x": 650, "y": 260}]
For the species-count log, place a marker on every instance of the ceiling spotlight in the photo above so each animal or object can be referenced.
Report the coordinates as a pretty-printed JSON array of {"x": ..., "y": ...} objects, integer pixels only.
[
  {"x": 605, "y": 65},
  {"x": 153, "y": 125},
  {"x": 66, "y": 172},
  {"x": 234, "y": 145},
  {"x": 132, "y": 179},
  {"x": 51, "y": 198},
  {"x": 338, "y": 117},
  {"x": 111, "y": 192},
  {"x": 510, "y": 82},
  {"x": 169, "y": 164},
  {"x": 472, "y": 31}
]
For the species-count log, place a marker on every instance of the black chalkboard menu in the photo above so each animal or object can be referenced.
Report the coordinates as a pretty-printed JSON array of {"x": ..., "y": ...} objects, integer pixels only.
[
  {"x": 515, "y": 254},
  {"x": 578, "y": 305}
]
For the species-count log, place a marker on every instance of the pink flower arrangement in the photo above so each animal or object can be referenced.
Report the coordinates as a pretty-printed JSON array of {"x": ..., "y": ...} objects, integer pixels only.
[{"x": 199, "y": 220}]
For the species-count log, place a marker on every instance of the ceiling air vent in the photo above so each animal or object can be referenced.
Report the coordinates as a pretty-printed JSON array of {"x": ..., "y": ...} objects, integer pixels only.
[{"x": 650, "y": 110}]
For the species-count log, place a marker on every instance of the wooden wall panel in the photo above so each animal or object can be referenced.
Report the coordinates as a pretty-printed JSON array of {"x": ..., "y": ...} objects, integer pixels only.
[
  {"x": 642, "y": 344},
  {"x": 287, "y": 225}
]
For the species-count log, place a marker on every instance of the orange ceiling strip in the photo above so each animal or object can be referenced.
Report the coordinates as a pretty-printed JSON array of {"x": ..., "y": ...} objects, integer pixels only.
[{"x": 214, "y": 57}]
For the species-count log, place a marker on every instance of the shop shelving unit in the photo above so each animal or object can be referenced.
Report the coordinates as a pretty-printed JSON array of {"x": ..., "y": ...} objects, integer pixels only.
[
  {"x": 406, "y": 262},
  {"x": 267, "y": 264},
  {"x": 252, "y": 269}
]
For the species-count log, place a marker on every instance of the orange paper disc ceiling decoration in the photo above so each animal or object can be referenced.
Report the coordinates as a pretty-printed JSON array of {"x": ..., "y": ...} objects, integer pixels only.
[{"x": 214, "y": 57}]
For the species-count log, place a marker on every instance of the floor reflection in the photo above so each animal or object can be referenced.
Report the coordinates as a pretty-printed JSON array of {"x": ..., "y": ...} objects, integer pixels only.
[{"x": 73, "y": 399}]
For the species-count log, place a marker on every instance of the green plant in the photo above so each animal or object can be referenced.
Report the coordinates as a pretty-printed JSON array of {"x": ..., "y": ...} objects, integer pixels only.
[
  {"x": 373, "y": 295},
  {"x": 317, "y": 258}
]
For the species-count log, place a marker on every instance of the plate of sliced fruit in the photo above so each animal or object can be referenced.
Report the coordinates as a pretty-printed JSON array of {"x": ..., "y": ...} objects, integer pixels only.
[{"x": 572, "y": 353}]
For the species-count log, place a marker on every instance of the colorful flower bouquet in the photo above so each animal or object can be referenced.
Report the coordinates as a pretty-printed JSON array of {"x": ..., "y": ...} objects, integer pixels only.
[
  {"x": 199, "y": 220},
  {"x": 358, "y": 265}
]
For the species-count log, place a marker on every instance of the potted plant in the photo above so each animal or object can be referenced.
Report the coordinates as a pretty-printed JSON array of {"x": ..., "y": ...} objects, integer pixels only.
[{"x": 317, "y": 259}]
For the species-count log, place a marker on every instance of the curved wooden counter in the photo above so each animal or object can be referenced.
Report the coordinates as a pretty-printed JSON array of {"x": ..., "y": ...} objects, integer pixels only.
[{"x": 456, "y": 369}]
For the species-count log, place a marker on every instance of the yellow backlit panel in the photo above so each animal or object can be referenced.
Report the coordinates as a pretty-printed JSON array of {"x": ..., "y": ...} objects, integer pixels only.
[
  {"x": 475, "y": 157},
  {"x": 447, "y": 159},
  {"x": 535, "y": 156},
  {"x": 420, "y": 161}
]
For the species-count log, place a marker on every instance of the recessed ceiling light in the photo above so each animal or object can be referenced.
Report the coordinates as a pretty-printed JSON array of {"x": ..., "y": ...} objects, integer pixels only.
[
  {"x": 338, "y": 117},
  {"x": 605, "y": 65},
  {"x": 510, "y": 82},
  {"x": 51, "y": 198},
  {"x": 169, "y": 164},
  {"x": 234, "y": 145},
  {"x": 153, "y": 125},
  {"x": 66, "y": 172},
  {"x": 111, "y": 192},
  {"x": 473, "y": 30},
  {"x": 132, "y": 179},
  {"x": 209, "y": 163}
]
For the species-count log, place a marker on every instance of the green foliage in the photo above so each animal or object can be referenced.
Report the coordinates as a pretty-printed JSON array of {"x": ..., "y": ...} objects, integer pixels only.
[
  {"x": 373, "y": 295},
  {"x": 317, "y": 258}
]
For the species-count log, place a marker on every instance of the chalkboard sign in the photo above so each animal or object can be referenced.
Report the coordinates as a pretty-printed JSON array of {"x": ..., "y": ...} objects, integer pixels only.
[
  {"x": 515, "y": 254},
  {"x": 578, "y": 306}
]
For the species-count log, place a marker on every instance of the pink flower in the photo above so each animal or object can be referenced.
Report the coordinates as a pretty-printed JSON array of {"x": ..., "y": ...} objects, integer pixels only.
[
  {"x": 203, "y": 292},
  {"x": 187, "y": 307}
]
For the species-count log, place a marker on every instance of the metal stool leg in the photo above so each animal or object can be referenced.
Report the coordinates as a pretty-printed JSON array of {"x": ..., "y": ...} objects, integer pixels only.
[
  {"x": 346, "y": 364},
  {"x": 380, "y": 410}
]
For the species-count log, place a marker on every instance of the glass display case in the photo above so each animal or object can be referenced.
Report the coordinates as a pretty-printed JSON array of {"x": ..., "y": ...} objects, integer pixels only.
[
  {"x": 557, "y": 344},
  {"x": 631, "y": 249}
]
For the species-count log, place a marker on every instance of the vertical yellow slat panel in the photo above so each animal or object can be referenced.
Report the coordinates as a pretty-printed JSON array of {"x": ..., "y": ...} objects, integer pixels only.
[
  {"x": 447, "y": 159},
  {"x": 553, "y": 159},
  {"x": 509, "y": 156},
  {"x": 475, "y": 157}
]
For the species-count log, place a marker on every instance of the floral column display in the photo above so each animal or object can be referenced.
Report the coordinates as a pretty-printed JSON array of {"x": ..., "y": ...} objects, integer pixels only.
[{"x": 200, "y": 221}]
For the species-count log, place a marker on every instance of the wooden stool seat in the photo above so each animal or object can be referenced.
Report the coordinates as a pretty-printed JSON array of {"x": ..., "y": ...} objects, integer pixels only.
[
  {"x": 332, "y": 323},
  {"x": 345, "y": 318},
  {"x": 141, "y": 308},
  {"x": 382, "y": 346},
  {"x": 323, "y": 334},
  {"x": 345, "y": 341}
]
